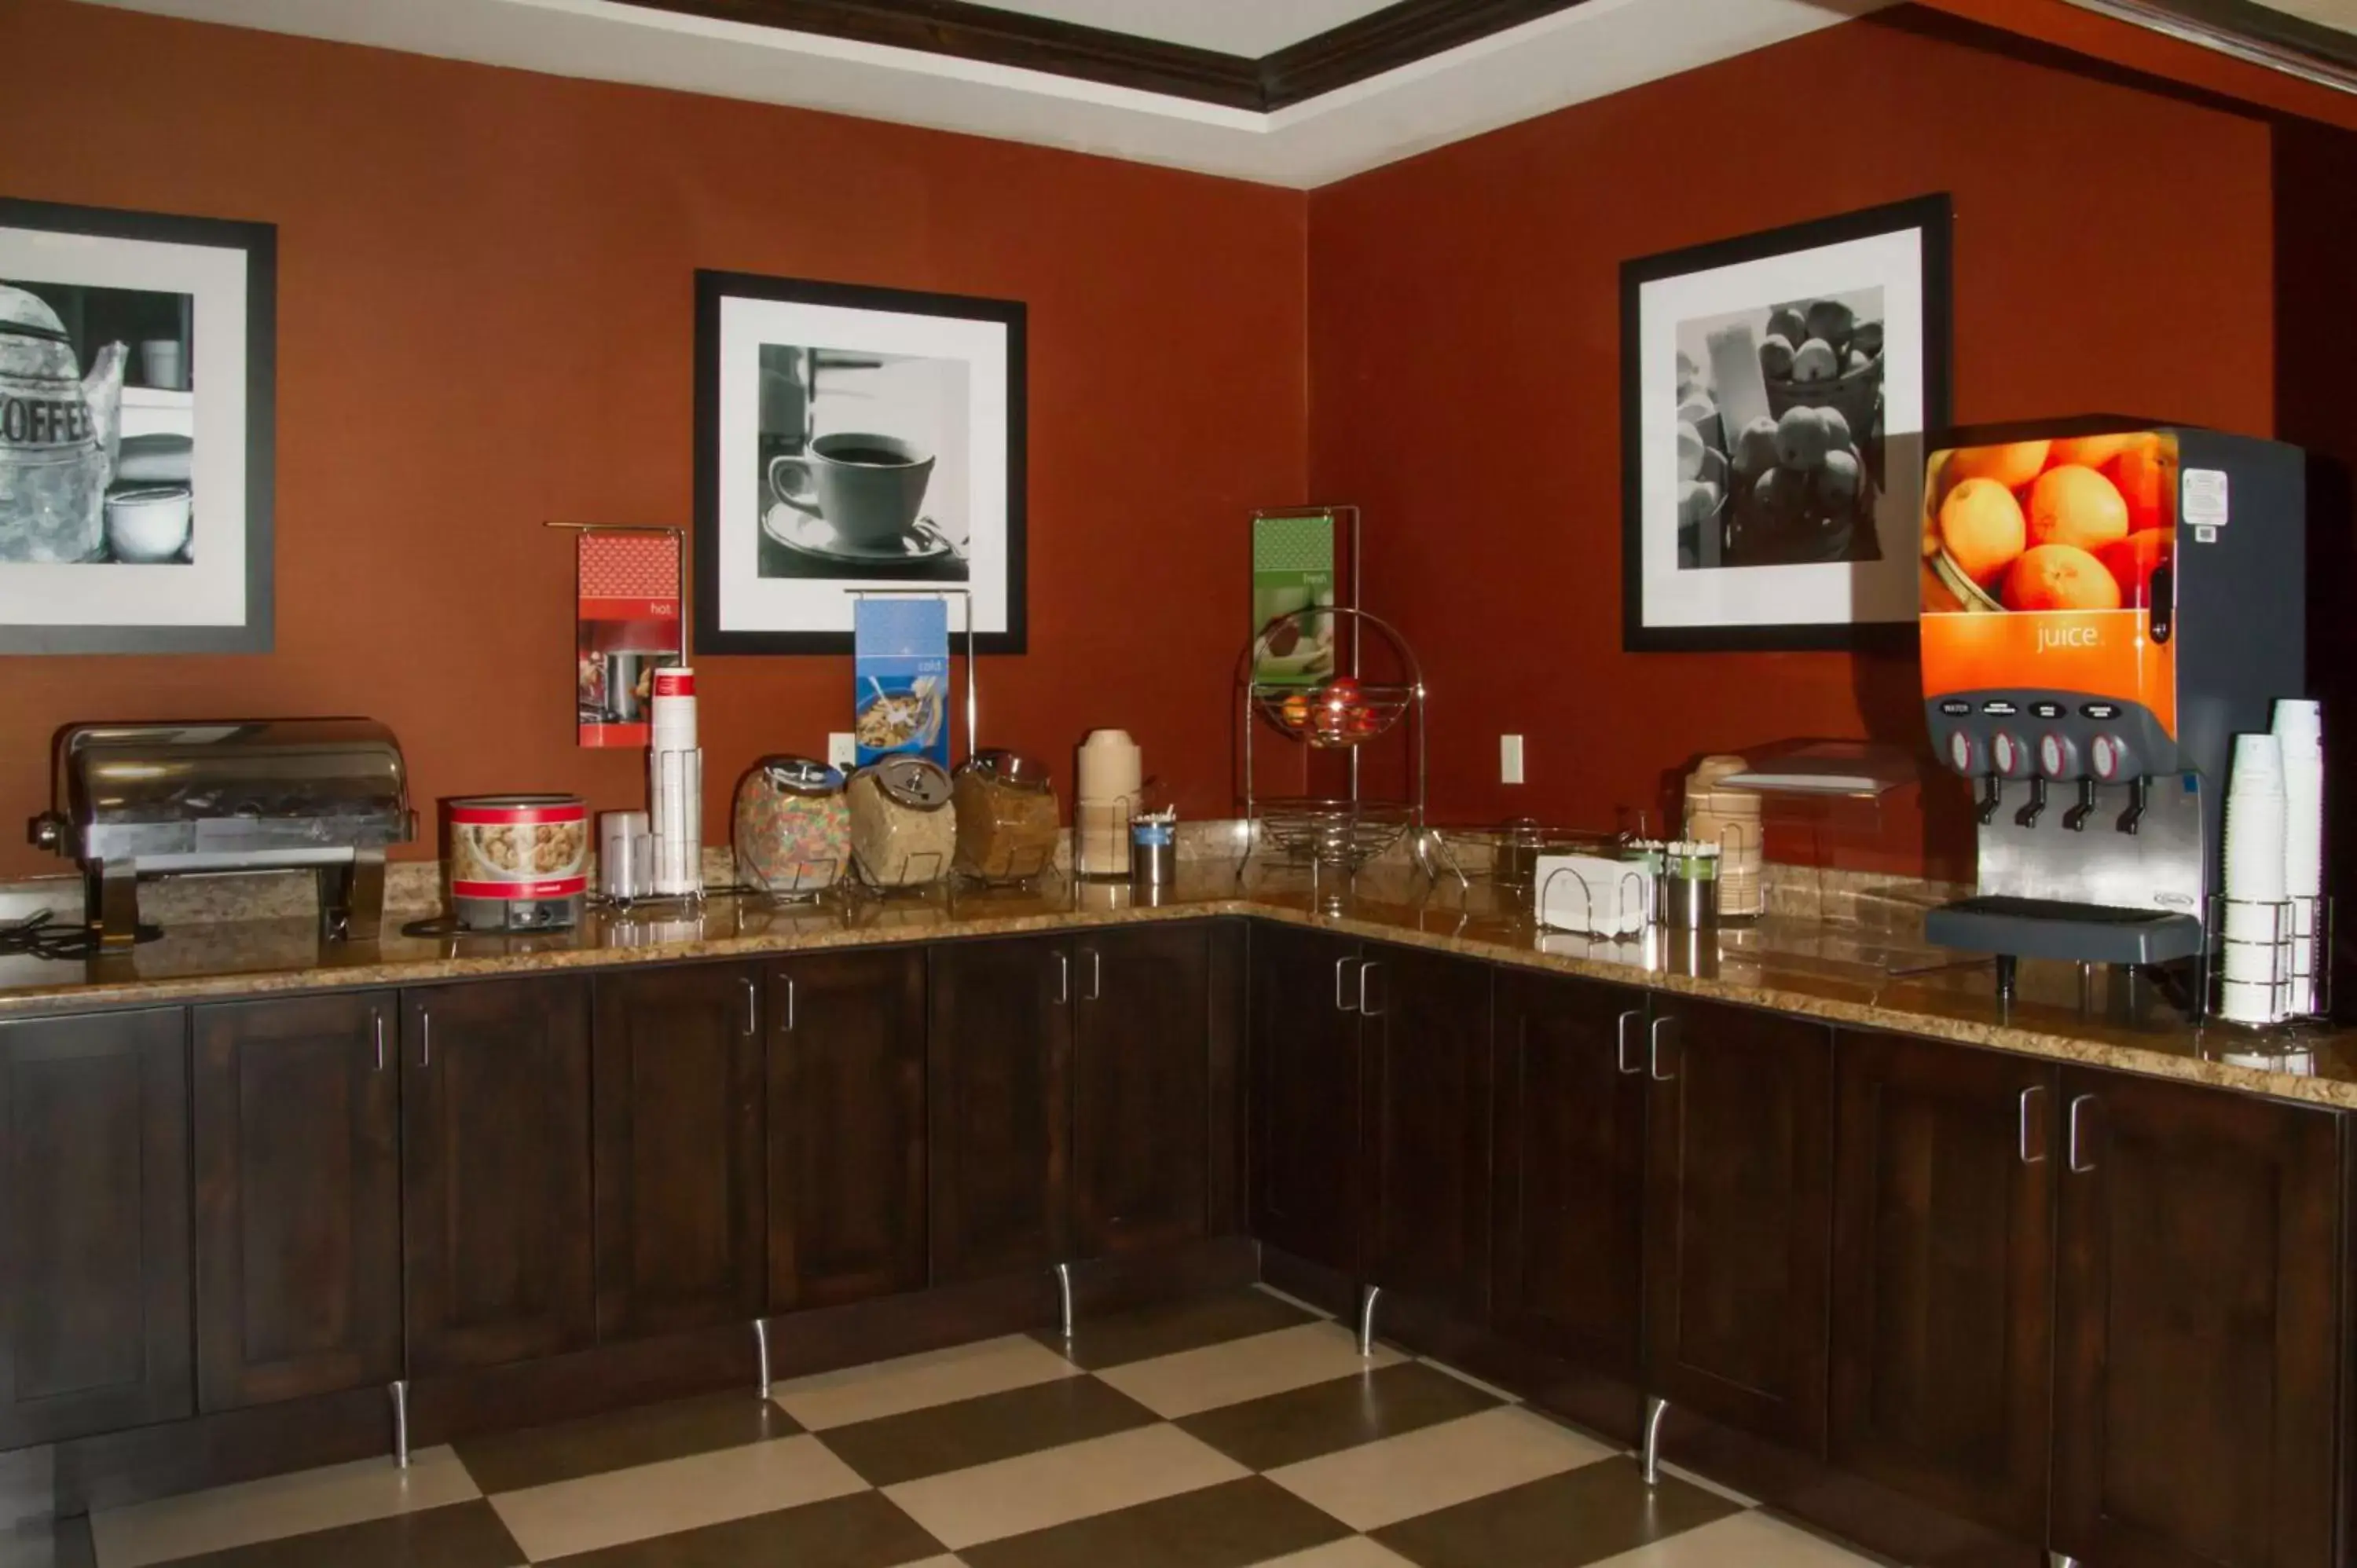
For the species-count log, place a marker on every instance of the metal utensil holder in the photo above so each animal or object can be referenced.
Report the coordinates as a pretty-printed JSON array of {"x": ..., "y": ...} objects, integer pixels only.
[{"x": 2291, "y": 959}]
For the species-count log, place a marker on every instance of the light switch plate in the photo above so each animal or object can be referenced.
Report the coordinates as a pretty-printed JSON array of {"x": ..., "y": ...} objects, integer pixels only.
[
  {"x": 1510, "y": 759},
  {"x": 842, "y": 750}
]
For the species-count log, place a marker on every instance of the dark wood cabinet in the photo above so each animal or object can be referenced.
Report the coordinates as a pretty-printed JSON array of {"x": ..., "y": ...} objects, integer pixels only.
[
  {"x": 2197, "y": 1358},
  {"x": 1570, "y": 1160},
  {"x": 999, "y": 1055},
  {"x": 1738, "y": 1216},
  {"x": 296, "y": 1126},
  {"x": 681, "y": 1193},
  {"x": 95, "y": 1324},
  {"x": 1943, "y": 1270},
  {"x": 1302, "y": 1045},
  {"x": 496, "y": 1211},
  {"x": 847, "y": 1126},
  {"x": 1424, "y": 1047},
  {"x": 1141, "y": 1088}
]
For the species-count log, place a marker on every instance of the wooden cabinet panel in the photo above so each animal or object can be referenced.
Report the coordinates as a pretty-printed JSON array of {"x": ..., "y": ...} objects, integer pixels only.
[
  {"x": 1303, "y": 1048},
  {"x": 298, "y": 1123},
  {"x": 2196, "y": 1357},
  {"x": 1739, "y": 1217},
  {"x": 847, "y": 1084},
  {"x": 496, "y": 1214},
  {"x": 1943, "y": 1270},
  {"x": 1000, "y": 1056},
  {"x": 95, "y": 1324},
  {"x": 681, "y": 1192},
  {"x": 1141, "y": 1084},
  {"x": 1425, "y": 1039},
  {"x": 1570, "y": 1160}
]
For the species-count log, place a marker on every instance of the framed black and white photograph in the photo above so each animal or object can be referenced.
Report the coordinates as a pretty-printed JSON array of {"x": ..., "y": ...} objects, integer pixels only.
[
  {"x": 1776, "y": 392},
  {"x": 137, "y": 431},
  {"x": 851, "y": 438}
]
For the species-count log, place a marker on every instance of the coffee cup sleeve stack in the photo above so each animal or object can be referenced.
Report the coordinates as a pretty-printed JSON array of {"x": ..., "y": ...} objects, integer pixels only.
[
  {"x": 1731, "y": 819},
  {"x": 2257, "y": 928},
  {"x": 2299, "y": 736}
]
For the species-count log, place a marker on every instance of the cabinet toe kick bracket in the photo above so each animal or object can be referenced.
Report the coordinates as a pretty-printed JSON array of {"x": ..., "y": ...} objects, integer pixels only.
[
  {"x": 1064, "y": 1297},
  {"x": 1649, "y": 1457},
  {"x": 1368, "y": 1295},
  {"x": 398, "y": 1389},
  {"x": 761, "y": 1354}
]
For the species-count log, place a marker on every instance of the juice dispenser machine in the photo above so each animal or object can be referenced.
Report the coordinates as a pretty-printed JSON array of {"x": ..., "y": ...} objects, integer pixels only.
[{"x": 2101, "y": 615}]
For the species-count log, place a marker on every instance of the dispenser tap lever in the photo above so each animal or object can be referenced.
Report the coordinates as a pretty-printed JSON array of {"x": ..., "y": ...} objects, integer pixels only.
[
  {"x": 2139, "y": 796},
  {"x": 1992, "y": 792},
  {"x": 2028, "y": 816},
  {"x": 2075, "y": 819}
]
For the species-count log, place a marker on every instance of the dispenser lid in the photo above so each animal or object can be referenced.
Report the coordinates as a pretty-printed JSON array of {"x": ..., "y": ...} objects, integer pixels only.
[
  {"x": 799, "y": 775},
  {"x": 909, "y": 781},
  {"x": 1009, "y": 768}
]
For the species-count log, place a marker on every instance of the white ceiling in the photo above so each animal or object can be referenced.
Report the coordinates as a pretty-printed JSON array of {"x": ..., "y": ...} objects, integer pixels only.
[
  {"x": 1248, "y": 28},
  {"x": 1586, "y": 52},
  {"x": 2341, "y": 14}
]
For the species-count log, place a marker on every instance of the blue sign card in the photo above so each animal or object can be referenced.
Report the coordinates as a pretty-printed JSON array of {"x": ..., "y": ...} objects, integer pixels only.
[{"x": 900, "y": 678}]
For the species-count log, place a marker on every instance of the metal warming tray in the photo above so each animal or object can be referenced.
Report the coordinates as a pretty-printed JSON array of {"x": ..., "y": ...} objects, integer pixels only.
[{"x": 129, "y": 800}]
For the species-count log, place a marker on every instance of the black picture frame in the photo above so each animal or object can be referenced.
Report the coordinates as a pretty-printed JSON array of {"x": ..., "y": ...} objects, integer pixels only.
[
  {"x": 712, "y": 289},
  {"x": 1932, "y": 217},
  {"x": 258, "y": 241}
]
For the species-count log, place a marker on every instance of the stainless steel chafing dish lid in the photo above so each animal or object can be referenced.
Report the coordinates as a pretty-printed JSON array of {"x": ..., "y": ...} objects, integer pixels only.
[{"x": 267, "y": 789}]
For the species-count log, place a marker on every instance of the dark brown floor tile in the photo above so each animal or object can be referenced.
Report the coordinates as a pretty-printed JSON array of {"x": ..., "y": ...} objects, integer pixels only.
[
  {"x": 1171, "y": 1326},
  {"x": 862, "y": 1531},
  {"x": 946, "y": 1437},
  {"x": 1325, "y": 1418},
  {"x": 1227, "y": 1526},
  {"x": 510, "y": 1461},
  {"x": 1581, "y": 1516},
  {"x": 463, "y": 1535}
]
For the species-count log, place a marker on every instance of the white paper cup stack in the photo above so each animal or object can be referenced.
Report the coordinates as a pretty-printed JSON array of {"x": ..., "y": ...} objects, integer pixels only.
[
  {"x": 2257, "y": 930},
  {"x": 2299, "y": 736}
]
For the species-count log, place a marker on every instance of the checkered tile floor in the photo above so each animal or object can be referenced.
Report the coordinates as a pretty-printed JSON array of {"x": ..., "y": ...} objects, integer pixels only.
[{"x": 1216, "y": 1432}]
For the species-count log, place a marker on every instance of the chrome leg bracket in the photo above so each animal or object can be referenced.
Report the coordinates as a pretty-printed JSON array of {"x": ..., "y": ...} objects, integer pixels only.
[
  {"x": 399, "y": 1390},
  {"x": 2060, "y": 1560},
  {"x": 761, "y": 1353},
  {"x": 1368, "y": 1295},
  {"x": 1649, "y": 1457},
  {"x": 1064, "y": 1295}
]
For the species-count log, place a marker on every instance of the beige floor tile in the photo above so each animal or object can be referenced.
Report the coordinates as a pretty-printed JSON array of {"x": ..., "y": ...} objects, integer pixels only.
[
  {"x": 1195, "y": 1380},
  {"x": 1751, "y": 1540},
  {"x": 1057, "y": 1486},
  {"x": 1400, "y": 1477},
  {"x": 918, "y": 1382},
  {"x": 1357, "y": 1551},
  {"x": 677, "y": 1494},
  {"x": 278, "y": 1506}
]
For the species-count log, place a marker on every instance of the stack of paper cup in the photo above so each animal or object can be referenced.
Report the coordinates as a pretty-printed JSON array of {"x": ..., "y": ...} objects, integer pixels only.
[
  {"x": 2300, "y": 733},
  {"x": 2257, "y": 927},
  {"x": 675, "y": 786}
]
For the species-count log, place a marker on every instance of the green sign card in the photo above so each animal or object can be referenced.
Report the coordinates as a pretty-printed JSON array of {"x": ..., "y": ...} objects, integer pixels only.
[{"x": 1293, "y": 570}]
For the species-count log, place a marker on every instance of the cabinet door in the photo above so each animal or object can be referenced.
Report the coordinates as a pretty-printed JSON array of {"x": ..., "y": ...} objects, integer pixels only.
[
  {"x": 1141, "y": 1084},
  {"x": 2195, "y": 1357},
  {"x": 297, "y": 1132},
  {"x": 1426, "y": 1038},
  {"x": 1943, "y": 1270},
  {"x": 846, "y": 1127},
  {"x": 496, "y": 1211},
  {"x": 682, "y": 1222},
  {"x": 1000, "y": 1051},
  {"x": 93, "y": 1224},
  {"x": 1739, "y": 1217},
  {"x": 1303, "y": 1044},
  {"x": 1570, "y": 1192}
]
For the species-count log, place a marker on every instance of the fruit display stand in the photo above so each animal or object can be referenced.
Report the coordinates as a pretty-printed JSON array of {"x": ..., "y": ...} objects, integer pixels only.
[{"x": 1346, "y": 715}]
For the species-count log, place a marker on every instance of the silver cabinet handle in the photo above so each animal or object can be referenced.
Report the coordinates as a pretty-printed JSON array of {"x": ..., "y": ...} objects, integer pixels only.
[
  {"x": 752, "y": 1006},
  {"x": 2078, "y": 1103},
  {"x": 789, "y": 1002},
  {"x": 1063, "y": 977},
  {"x": 2023, "y": 1135},
  {"x": 1097, "y": 976},
  {"x": 1654, "y": 1054},
  {"x": 376, "y": 1017},
  {"x": 1365, "y": 1011},
  {"x": 1621, "y": 1043},
  {"x": 425, "y": 1038},
  {"x": 1341, "y": 1005}
]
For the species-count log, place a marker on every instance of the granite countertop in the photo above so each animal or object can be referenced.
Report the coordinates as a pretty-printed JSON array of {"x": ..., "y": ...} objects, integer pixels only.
[{"x": 1874, "y": 973}]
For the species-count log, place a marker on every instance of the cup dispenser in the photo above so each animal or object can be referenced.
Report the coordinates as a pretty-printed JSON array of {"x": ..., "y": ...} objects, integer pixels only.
[{"x": 2101, "y": 613}]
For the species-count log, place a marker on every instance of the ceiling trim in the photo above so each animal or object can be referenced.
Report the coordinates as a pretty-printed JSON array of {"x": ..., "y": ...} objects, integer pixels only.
[
  {"x": 1398, "y": 34},
  {"x": 2260, "y": 35}
]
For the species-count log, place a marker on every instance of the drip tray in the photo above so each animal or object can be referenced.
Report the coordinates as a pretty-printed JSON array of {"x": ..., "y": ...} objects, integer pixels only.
[{"x": 2074, "y": 933}]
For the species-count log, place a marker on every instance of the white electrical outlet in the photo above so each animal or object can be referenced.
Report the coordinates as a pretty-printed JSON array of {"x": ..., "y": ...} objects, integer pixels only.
[
  {"x": 842, "y": 750},
  {"x": 1510, "y": 759}
]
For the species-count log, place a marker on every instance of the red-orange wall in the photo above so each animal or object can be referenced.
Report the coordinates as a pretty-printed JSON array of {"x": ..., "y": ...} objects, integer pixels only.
[
  {"x": 484, "y": 321},
  {"x": 2111, "y": 254}
]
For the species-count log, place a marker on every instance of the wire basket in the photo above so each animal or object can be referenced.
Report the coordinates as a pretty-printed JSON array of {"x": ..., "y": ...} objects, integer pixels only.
[
  {"x": 1341, "y": 834},
  {"x": 1340, "y": 712}
]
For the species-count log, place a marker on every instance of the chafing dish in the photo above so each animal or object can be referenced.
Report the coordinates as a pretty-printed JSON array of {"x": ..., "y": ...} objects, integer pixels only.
[{"x": 130, "y": 800}]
